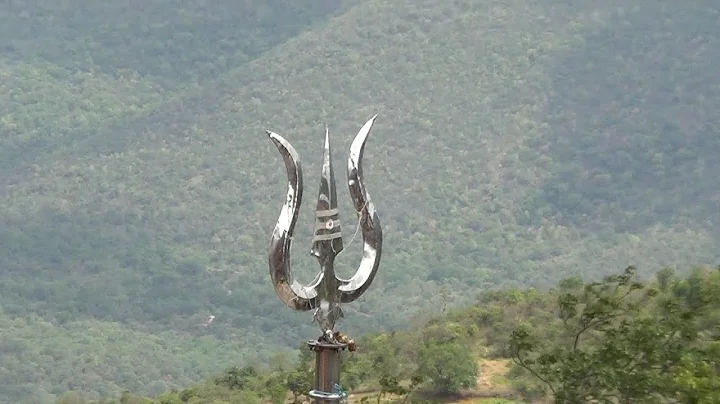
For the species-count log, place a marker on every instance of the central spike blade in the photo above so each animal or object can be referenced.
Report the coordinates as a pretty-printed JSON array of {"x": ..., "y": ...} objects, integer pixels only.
[{"x": 327, "y": 238}]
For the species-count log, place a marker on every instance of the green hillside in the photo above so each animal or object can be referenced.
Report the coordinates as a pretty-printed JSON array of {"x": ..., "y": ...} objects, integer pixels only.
[
  {"x": 517, "y": 144},
  {"x": 616, "y": 340}
]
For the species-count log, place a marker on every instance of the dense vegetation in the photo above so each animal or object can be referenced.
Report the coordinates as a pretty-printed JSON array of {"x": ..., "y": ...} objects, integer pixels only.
[
  {"x": 518, "y": 144},
  {"x": 616, "y": 340}
]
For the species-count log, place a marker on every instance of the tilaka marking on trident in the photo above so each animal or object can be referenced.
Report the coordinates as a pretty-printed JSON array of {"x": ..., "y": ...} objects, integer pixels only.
[{"x": 327, "y": 291}]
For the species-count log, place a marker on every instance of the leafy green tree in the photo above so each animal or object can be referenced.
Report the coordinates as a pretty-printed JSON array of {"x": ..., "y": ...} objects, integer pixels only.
[
  {"x": 665, "y": 278},
  {"x": 697, "y": 377},
  {"x": 619, "y": 341},
  {"x": 128, "y": 398},
  {"x": 447, "y": 366},
  {"x": 71, "y": 397},
  {"x": 237, "y": 378},
  {"x": 299, "y": 382},
  {"x": 276, "y": 388}
]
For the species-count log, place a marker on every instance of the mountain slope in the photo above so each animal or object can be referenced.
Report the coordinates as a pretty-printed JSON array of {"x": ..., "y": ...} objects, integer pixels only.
[
  {"x": 635, "y": 134},
  {"x": 160, "y": 216},
  {"x": 169, "y": 41},
  {"x": 67, "y": 67}
]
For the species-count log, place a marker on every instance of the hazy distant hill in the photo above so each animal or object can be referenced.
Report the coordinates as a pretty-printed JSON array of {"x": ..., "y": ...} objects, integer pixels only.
[{"x": 517, "y": 143}]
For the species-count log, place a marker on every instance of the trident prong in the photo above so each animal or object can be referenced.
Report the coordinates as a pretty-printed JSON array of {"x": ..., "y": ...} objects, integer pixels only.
[{"x": 327, "y": 291}]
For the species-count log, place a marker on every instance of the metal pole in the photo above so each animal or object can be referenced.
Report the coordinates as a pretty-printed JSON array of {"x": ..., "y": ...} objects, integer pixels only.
[{"x": 327, "y": 371}]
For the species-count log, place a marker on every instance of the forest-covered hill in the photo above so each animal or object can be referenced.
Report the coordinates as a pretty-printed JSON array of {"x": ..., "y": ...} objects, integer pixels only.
[
  {"x": 518, "y": 143},
  {"x": 614, "y": 340}
]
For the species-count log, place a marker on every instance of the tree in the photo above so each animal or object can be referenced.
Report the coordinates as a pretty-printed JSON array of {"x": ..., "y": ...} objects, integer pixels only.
[
  {"x": 696, "y": 378},
  {"x": 237, "y": 378},
  {"x": 619, "y": 341},
  {"x": 276, "y": 388},
  {"x": 447, "y": 366},
  {"x": 71, "y": 397},
  {"x": 299, "y": 382}
]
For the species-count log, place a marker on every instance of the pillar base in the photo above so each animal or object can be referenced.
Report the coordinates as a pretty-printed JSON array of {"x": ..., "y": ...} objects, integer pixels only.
[{"x": 327, "y": 371}]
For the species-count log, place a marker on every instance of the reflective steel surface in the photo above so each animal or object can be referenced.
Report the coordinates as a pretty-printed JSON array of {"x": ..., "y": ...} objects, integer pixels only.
[{"x": 327, "y": 291}]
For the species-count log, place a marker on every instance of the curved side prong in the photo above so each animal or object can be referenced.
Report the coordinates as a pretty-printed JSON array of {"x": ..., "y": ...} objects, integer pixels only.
[
  {"x": 290, "y": 291},
  {"x": 369, "y": 221}
]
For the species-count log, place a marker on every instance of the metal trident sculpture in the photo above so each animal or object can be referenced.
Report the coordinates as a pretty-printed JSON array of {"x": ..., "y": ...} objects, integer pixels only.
[{"x": 327, "y": 291}]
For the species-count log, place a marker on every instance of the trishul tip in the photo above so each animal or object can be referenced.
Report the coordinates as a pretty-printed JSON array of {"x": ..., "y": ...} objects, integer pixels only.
[{"x": 327, "y": 237}]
